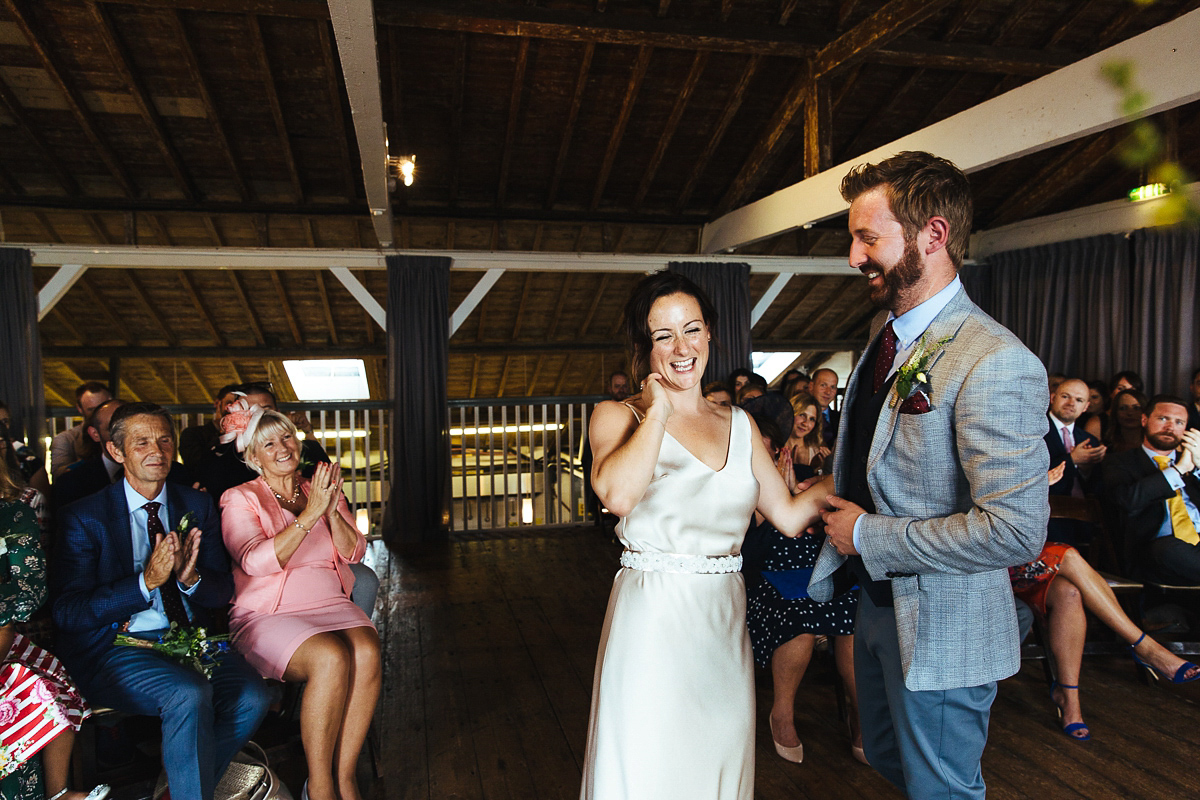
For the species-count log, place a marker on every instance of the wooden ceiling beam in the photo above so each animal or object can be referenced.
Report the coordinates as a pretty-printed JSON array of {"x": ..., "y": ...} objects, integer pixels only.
[
  {"x": 504, "y": 376},
  {"x": 12, "y": 106},
  {"x": 9, "y": 182},
  {"x": 456, "y": 119},
  {"x": 51, "y": 233},
  {"x": 818, "y": 128},
  {"x": 139, "y": 291},
  {"x": 75, "y": 102},
  {"x": 210, "y": 108},
  {"x": 816, "y": 321},
  {"x": 563, "y": 294},
  {"x": 873, "y": 33},
  {"x": 286, "y": 305},
  {"x": 522, "y": 306},
  {"x": 189, "y": 287},
  {"x": 786, "y": 9},
  {"x": 160, "y": 229},
  {"x": 587, "y": 319},
  {"x": 196, "y": 379},
  {"x": 251, "y": 318},
  {"x": 213, "y": 232},
  {"x": 122, "y": 60},
  {"x": 299, "y": 9},
  {"x": 699, "y": 61},
  {"x": 564, "y": 146},
  {"x": 514, "y": 117},
  {"x": 537, "y": 372},
  {"x": 258, "y": 45},
  {"x": 562, "y": 374},
  {"x": 474, "y": 375},
  {"x": 65, "y": 321},
  {"x": 93, "y": 222},
  {"x": 845, "y": 11},
  {"x": 172, "y": 395},
  {"x": 801, "y": 296},
  {"x": 334, "y": 92},
  {"x": 640, "y": 65},
  {"x": 732, "y": 104},
  {"x": 327, "y": 308},
  {"x": 99, "y": 301}
]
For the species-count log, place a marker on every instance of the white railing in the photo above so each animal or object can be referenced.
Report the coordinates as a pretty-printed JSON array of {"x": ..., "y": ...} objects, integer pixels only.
[
  {"x": 354, "y": 435},
  {"x": 517, "y": 463}
]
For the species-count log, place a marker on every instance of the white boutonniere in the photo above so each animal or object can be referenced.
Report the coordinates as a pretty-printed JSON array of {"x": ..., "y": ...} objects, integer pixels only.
[{"x": 913, "y": 375}]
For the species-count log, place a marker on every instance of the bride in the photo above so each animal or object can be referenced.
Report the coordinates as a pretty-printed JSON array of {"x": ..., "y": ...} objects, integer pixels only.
[{"x": 673, "y": 695}]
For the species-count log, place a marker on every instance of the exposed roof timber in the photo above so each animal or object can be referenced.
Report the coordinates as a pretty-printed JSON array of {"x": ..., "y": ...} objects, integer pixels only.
[
  {"x": 764, "y": 302},
  {"x": 12, "y": 106},
  {"x": 685, "y": 93},
  {"x": 873, "y": 33},
  {"x": 359, "y": 292},
  {"x": 234, "y": 258},
  {"x": 1074, "y": 101},
  {"x": 268, "y": 79},
  {"x": 354, "y": 28},
  {"x": 514, "y": 116},
  {"x": 640, "y": 65},
  {"x": 1117, "y": 216},
  {"x": 58, "y": 285},
  {"x": 564, "y": 146}
]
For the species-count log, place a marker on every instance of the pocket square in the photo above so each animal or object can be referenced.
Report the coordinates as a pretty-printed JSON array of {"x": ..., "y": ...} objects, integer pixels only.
[{"x": 917, "y": 403}]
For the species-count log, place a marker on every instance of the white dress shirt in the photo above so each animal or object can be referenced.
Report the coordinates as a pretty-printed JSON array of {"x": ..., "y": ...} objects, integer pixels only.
[{"x": 153, "y": 618}]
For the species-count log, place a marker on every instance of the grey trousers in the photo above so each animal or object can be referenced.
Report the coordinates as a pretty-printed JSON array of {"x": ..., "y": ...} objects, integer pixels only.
[{"x": 928, "y": 744}]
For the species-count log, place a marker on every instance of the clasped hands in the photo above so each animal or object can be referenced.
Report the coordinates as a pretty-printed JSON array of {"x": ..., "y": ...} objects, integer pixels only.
[
  {"x": 1189, "y": 452},
  {"x": 173, "y": 558},
  {"x": 839, "y": 519}
]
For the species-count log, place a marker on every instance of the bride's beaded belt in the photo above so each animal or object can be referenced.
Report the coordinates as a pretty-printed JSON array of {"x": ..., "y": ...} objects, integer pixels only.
[{"x": 685, "y": 563}]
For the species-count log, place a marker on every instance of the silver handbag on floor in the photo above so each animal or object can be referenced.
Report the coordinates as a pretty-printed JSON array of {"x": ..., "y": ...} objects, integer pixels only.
[{"x": 249, "y": 777}]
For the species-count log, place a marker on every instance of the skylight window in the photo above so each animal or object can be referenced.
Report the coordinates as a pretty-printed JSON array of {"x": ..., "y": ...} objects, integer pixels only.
[
  {"x": 329, "y": 379},
  {"x": 772, "y": 365}
]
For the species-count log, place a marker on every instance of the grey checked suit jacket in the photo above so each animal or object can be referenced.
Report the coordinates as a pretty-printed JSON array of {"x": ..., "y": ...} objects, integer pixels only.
[{"x": 960, "y": 494}]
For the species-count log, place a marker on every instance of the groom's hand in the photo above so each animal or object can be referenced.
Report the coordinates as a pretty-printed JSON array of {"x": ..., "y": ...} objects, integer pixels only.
[{"x": 839, "y": 523}]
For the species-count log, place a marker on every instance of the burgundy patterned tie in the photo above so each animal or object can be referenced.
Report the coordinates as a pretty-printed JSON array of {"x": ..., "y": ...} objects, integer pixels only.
[
  {"x": 169, "y": 591},
  {"x": 885, "y": 357}
]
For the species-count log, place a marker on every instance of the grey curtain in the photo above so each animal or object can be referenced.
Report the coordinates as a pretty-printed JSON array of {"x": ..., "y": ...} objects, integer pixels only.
[
  {"x": 20, "y": 346},
  {"x": 418, "y": 333},
  {"x": 1092, "y": 307},
  {"x": 727, "y": 287}
]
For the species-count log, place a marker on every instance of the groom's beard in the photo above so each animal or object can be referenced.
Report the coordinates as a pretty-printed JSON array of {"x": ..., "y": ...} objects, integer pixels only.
[{"x": 903, "y": 275}]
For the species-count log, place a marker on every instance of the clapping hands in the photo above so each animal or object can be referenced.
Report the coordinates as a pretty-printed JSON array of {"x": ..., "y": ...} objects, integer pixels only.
[{"x": 326, "y": 488}]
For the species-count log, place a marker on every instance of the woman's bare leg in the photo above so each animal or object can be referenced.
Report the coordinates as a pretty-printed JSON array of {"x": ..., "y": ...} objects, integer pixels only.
[
  {"x": 363, "y": 644},
  {"x": 56, "y": 764},
  {"x": 788, "y": 665},
  {"x": 324, "y": 660},
  {"x": 1066, "y": 626},
  {"x": 1099, "y": 599},
  {"x": 843, "y": 656}
]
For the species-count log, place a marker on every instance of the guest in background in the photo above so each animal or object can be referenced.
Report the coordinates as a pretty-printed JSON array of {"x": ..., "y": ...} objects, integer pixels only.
[
  {"x": 40, "y": 708},
  {"x": 1125, "y": 422},
  {"x": 802, "y": 384},
  {"x": 197, "y": 440},
  {"x": 738, "y": 378},
  {"x": 719, "y": 393},
  {"x": 1077, "y": 451},
  {"x": 755, "y": 386},
  {"x": 789, "y": 381},
  {"x": 618, "y": 385},
  {"x": 1126, "y": 379},
  {"x": 1095, "y": 419},
  {"x": 824, "y": 388},
  {"x": 33, "y": 488},
  {"x": 64, "y": 448},
  {"x": 784, "y": 621},
  {"x": 805, "y": 443},
  {"x": 292, "y": 541}
]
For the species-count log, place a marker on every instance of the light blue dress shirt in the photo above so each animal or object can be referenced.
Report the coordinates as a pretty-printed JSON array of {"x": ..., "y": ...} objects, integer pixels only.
[
  {"x": 153, "y": 618},
  {"x": 1176, "y": 480},
  {"x": 909, "y": 327}
]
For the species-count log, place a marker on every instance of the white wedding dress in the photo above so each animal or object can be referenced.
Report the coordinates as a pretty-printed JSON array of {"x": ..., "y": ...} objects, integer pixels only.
[{"x": 673, "y": 696}]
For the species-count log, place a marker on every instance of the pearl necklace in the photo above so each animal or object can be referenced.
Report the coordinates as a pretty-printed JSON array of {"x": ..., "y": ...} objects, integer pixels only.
[{"x": 279, "y": 497}]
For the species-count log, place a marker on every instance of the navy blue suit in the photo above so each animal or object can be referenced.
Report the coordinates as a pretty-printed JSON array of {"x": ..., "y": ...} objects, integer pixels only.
[
  {"x": 95, "y": 590},
  {"x": 1069, "y": 531}
]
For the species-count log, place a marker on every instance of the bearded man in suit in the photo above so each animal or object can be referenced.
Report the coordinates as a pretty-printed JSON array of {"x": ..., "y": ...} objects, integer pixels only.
[{"x": 940, "y": 473}]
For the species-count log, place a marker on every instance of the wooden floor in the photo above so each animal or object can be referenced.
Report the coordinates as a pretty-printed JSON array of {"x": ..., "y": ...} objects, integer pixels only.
[{"x": 489, "y": 647}]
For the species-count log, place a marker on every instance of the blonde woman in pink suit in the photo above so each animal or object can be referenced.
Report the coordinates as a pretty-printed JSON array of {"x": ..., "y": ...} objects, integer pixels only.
[{"x": 292, "y": 618}]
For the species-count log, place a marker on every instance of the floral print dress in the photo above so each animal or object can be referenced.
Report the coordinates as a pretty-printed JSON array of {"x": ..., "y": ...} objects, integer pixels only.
[{"x": 38, "y": 701}]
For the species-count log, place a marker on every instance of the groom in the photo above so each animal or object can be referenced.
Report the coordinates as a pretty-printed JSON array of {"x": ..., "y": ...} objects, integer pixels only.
[{"x": 940, "y": 474}]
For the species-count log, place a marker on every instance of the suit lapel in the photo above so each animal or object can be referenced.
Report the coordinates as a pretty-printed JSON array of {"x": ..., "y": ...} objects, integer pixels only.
[
  {"x": 851, "y": 390},
  {"x": 946, "y": 324}
]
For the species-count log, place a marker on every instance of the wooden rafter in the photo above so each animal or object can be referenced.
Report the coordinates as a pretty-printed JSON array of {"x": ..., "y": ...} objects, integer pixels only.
[
  {"x": 587, "y": 319},
  {"x": 802, "y": 293},
  {"x": 139, "y": 291},
  {"x": 1058, "y": 177},
  {"x": 726, "y": 9},
  {"x": 268, "y": 80},
  {"x": 522, "y": 306},
  {"x": 93, "y": 222},
  {"x": 732, "y": 104},
  {"x": 251, "y": 318},
  {"x": 564, "y": 146},
  {"x": 563, "y": 294},
  {"x": 456, "y": 119},
  {"x": 333, "y": 90},
  {"x": 211, "y": 225},
  {"x": 13, "y": 108},
  {"x": 562, "y": 374},
  {"x": 818, "y": 128},
  {"x": 537, "y": 371},
  {"x": 9, "y": 182},
  {"x": 160, "y": 229},
  {"x": 474, "y": 375},
  {"x": 817, "y": 321},
  {"x": 896, "y": 98},
  {"x": 640, "y": 65},
  {"x": 397, "y": 130},
  {"x": 327, "y": 308},
  {"x": 75, "y": 102},
  {"x": 189, "y": 287},
  {"x": 514, "y": 116},
  {"x": 685, "y": 93},
  {"x": 99, "y": 302},
  {"x": 122, "y": 61},
  {"x": 786, "y": 9},
  {"x": 210, "y": 109},
  {"x": 65, "y": 321},
  {"x": 286, "y": 305},
  {"x": 196, "y": 379},
  {"x": 504, "y": 376},
  {"x": 51, "y": 233},
  {"x": 661, "y": 11},
  {"x": 845, "y": 10}
]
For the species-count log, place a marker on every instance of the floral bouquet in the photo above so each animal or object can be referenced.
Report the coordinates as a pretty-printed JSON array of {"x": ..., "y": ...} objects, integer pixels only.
[{"x": 190, "y": 646}]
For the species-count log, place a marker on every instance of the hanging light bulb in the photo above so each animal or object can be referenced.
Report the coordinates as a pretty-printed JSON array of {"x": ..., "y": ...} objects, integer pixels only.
[{"x": 403, "y": 167}]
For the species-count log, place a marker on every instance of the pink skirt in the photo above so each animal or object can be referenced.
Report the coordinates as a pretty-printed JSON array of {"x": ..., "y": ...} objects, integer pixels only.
[
  {"x": 268, "y": 641},
  {"x": 38, "y": 701}
]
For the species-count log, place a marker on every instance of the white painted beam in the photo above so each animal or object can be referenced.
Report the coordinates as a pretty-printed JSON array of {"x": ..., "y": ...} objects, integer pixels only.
[
  {"x": 58, "y": 285},
  {"x": 360, "y": 293},
  {"x": 474, "y": 298},
  {"x": 1067, "y": 104},
  {"x": 1117, "y": 216},
  {"x": 250, "y": 258},
  {"x": 764, "y": 302},
  {"x": 354, "y": 29}
]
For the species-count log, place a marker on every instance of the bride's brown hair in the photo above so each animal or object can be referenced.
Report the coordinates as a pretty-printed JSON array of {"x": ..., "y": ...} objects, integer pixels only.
[{"x": 637, "y": 313}]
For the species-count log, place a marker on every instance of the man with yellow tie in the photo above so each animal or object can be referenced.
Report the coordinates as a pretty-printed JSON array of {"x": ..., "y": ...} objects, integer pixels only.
[{"x": 1157, "y": 488}]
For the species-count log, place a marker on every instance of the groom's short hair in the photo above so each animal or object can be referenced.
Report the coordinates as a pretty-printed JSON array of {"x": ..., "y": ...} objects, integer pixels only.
[{"x": 919, "y": 186}]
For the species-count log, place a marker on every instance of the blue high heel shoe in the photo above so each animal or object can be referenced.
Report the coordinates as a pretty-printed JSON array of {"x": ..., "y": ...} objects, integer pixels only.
[
  {"x": 1180, "y": 675},
  {"x": 1075, "y": 727}
]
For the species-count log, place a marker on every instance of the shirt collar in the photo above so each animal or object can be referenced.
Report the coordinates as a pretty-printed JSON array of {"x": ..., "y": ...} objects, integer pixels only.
[
  {"x": 1059, "y": 424},
  {"x": 912, "y": 323},
  {"x": 1156, "y": 455},
  {"x": 136, "y": 501}
]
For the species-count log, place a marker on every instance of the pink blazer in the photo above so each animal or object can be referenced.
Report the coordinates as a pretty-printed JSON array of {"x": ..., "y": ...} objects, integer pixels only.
[{"x": 250, "y": 518}]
